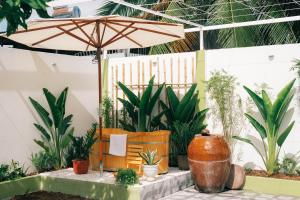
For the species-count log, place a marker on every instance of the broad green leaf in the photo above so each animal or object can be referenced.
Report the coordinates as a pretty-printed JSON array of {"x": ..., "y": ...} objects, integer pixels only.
[
  {"x": 185, "y": 100},
  {"x": 130, "y": 109},
  {"x": 127, "y": 126},
  {"x": 146, "y": 95},
  {"x": 43, "y": 131},
  {"x": 66, "y": 139},
  {"x": 172, "y": 98},
  {"x": 41, "y": 144},
  {"x": 281, "y": 139},
  {"x": 258, "y": 102},
  {"x": 65, "y": 124},
  {"x": 44, "y": 115},
  {"x": 281, "y": 98},
  {"x": 156, "y": 120},
  {"x": 260, "y": 128},
  {"x": 283, "y": 110},
  {"x": 130, "y": 95},
  {"x": 56, "y": 113},
  {"x": 61, "y": 101},
  {"x": 188, "y": 110},
  {"x": 154, "y": 99}
]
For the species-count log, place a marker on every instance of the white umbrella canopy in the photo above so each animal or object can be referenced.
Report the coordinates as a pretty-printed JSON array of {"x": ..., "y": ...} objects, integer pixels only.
[
  {"x": 97, "y": 33},
  {"x": 105, "y": 32}
]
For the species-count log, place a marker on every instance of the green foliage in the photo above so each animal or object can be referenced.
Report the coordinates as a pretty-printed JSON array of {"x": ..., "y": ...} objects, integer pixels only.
[
  {"x": 56, "y": 129},
  {"x": 271, "y": 130},
  {"x": 140, "y": 110},
  {"x": 17, "y": 12},
  {"x": 288, "y": 166},
  {"x": 107, "y": 106},
  {"x": 184, "y": 111},
  {"x": 149, "y": 157},
  {"x": 44, "y": 161},
  {"x": 12, "y": 171},
  {"x": 127, "y": 177},
  {"x": 226, "y": 105},
  {"x": 81, "y": 146},
  {"x": 183, "y": 135}
]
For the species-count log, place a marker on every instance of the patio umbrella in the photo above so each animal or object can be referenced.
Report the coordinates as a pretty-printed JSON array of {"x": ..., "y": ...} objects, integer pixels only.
[{"x": 97, "y": 33}]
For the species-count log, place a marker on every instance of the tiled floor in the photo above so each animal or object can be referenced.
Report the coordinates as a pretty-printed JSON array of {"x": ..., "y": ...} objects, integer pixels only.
[{"x": 191, "y": 194}]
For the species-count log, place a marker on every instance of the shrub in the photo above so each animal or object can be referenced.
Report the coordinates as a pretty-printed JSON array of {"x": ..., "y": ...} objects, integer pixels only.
[
  {"x": 12, "y": 171},
  {"x": 127, "y": 177},
  {"x": 43, "y": 161}
]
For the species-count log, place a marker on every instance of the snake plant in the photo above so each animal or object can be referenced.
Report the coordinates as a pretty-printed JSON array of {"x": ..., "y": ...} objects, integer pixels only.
[
  {"x": 56, "y": 129},
  {"x": 140, "y": 109},
  {"x": 271, "y": 128}
]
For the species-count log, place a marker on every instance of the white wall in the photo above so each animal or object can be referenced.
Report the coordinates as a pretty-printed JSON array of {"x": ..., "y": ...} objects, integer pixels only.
[
  {"x": 255, "y": 65},
  {"x": 24, "y": 74}
]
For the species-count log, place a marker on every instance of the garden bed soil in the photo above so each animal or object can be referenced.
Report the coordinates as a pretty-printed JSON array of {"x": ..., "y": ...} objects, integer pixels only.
[
  {"x": 48, "y": 196},
  {"x": 262, "y": 173}
]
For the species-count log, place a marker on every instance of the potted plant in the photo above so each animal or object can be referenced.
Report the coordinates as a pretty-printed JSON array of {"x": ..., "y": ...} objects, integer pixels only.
[
  {"x": 81, "y": 149},
  {"x": 182, "y": 136},
  {"x": 127, "y": 177},
  {"x": 151, "y": 163}
]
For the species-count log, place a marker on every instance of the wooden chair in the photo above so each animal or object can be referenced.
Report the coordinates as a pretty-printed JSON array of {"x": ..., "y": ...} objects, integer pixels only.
[{"x": 133, "y": 158}]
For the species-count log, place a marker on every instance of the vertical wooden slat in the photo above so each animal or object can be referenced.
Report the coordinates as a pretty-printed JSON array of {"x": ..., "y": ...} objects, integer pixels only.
[
  {"x": 165, "y": 76},
  {"x": 151, "y": 66},
  {"x": 130, "y": 76},
  {"x": 123, "y": 77},
  {"x": 185, "y": 75},
  {"x": 171, "y": 69},
  {"x": 193, "y": 70},
  {"x": 138, "y": 69},
  {"x": 113, "y": 94}
]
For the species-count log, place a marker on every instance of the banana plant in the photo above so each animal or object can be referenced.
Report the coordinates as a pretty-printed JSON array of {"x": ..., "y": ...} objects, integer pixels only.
[
  {"x": 271, "y": 128},
  {"x": 140, "y": 110},
  {"x": 55, "y": 131},
  {"x": 184, "y": 110}
]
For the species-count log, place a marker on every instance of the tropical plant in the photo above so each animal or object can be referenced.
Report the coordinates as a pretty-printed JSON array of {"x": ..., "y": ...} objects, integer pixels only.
[
  {"x": 82, "y": 145},
  {"x": 127, "y": 177},
  {"x": 43, "y": 161},
  {"x": 184, "y": 133},
  {"x": 288, "y": 166},
  {"x": 184, "y": 111},
  {"x": 56, "y": 130},
  {"x": 12, "y": 171},
  {"x": 215, "y": 12},
  {"x": 107, "y": 105},
  {"x": 226, "y": 105},
  {"x": 140, "y": 110},
  {"x": 17, "y": 12},
  {"x": 271, "y": 128},
  {"x": 149, "y": 157}
]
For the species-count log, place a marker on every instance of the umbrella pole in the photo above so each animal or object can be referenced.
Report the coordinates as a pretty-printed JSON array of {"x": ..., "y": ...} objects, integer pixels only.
[{"x": 100, "y": 111}]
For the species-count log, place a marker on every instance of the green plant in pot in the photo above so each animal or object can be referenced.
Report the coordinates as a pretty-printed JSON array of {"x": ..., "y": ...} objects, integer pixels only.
[
  {"x": 81, "y": 147},
  {"x": 271, "y": 127},
  {"x": 184, "y": 120},
  {"x": 150, "y": 167},
  {"x": 127, "y": 177},
  {"x": 55, "y": 128}
]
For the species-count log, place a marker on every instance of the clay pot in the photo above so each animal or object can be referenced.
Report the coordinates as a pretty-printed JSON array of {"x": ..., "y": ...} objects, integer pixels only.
[
  {"x": 209, "y": 159},
  {"x": 183, "y": 163},
  {"x": 237, "y": 178},
  {"x": 80, "y": 166}
]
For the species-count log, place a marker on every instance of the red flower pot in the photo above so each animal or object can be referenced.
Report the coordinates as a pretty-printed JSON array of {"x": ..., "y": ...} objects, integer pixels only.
[{"x": 80, "y": 166}]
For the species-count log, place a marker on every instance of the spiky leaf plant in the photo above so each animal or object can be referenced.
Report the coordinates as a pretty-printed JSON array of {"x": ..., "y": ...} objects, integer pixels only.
[{"x": 150, "y": 157}]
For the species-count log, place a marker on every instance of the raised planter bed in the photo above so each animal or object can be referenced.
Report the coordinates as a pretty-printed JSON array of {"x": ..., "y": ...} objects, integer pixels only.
[
  {"x": 273, "y": 186},
  {"x": 149, "y": 140}
]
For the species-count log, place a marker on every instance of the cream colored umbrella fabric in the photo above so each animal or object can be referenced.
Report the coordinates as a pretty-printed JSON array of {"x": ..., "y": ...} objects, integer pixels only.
[
  {"x": 97, "y": 33},
  {"x": 105, "y": 32}
]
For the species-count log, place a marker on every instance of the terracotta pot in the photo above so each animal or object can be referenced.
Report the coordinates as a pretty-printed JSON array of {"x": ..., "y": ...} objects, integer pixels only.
[
  {"x": 80, "y": 166},
  {"x": 209, "y": 159},
  {"x": 183, "y": 163},
  {"x": 237, "y": 178}
]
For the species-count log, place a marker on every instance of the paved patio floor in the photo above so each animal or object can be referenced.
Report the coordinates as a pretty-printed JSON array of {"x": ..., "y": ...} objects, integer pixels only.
[{"x": 191, "y": 194}]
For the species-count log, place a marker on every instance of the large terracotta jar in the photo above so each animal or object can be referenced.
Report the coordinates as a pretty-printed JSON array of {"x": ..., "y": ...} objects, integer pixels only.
[{"x": 209, "y": 159}]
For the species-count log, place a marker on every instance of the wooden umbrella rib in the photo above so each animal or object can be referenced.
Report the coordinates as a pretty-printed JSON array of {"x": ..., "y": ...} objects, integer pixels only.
[
  {"x": 85, "y": 33},
  {"x": 45, "y": 27},
  {"x": 122, "y": 36},
  {"x": 125, "y": 36},
  {"x": 118, "y": 33},
  {"x": 75, "y": 36},
  {"x": 103, "y": 32},
  {"x": 94, "y": 29},
  {"x": 149, "y": 30},
  {"x": 58, "y": 34}
]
